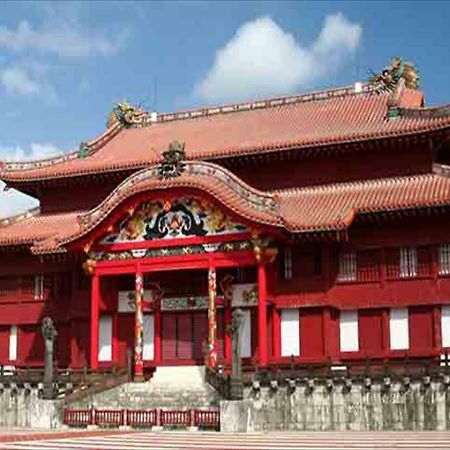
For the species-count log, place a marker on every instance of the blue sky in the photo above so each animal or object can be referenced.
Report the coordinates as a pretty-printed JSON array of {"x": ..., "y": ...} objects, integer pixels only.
[{"x": 63, "y": 65}]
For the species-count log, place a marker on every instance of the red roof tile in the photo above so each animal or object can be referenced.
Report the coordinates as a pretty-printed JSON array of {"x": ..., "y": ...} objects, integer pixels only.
[
  {"x": 333, "y": 207},
  {"x": 318, "y": 119},
  {"x": 319, "y": 208},
  {"x": 35, "y": 228}
]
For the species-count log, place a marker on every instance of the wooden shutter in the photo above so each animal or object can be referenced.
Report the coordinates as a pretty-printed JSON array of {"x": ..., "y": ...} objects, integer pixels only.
[
  {"x": 168, "y": 341},
  {"x": 200, "y": 338},
  {"x": 371, "y": 331},
  {"x": 184, "y": 336},
  {"x": 311, "y": 333},
  {"x": 421, "y": 328}
]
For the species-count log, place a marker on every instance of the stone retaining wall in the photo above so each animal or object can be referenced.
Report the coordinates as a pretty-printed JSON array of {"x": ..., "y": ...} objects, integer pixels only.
[
  {"x": 356, "y": 406},
  {"x": 22, "y": 407}
]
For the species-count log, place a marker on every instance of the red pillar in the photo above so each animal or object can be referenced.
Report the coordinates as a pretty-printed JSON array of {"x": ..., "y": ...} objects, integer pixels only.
[
  {"x": 95, "y": 300},
  {"x": 276, "y": 332},
  {"x": 157, "y": 340},
  {"x": 227, "y": 316},
  {"x": 138, "y": 328},
  {"x": 262, "y": 315}
]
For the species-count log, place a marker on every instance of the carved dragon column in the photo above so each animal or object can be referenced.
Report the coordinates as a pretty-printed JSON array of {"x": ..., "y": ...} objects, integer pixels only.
[
  {"x": 139, "y": 328},
  {"x": 212, "y": 324}
]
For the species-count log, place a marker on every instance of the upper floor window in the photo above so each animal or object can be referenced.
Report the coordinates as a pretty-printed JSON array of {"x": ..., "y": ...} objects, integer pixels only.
[
  {"x": 347, "y": 266},
  {"x": 286, "y": 261},
  {"x": 408, "y": 262},
  {"x": 444, "y": 259},
  {"x": 39, "y": 287}
]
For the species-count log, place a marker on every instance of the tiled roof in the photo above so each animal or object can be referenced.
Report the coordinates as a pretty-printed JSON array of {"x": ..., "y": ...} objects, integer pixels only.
[
  {"x": 320, "y": 119},
  {"x": 313, "y": 209},
  {"x": 34, "y": 228},
  {"x": 334, "y": 206}
]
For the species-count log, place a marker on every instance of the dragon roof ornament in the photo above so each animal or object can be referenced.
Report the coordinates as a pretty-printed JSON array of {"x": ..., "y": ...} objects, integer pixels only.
[
  {"x": 388, "y": 79},
  {"x": 126, "y": 114}
]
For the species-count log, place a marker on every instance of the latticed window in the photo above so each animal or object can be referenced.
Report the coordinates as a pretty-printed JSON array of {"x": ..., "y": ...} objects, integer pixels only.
[
  {"x": 347, "y": 266},
  {"x": 287, "y": 263},
  {"x": 408, "y": 262},
  {"x": 444, "y": 259}
]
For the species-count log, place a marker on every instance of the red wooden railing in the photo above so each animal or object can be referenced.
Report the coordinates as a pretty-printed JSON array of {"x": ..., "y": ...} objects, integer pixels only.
[
  {"x": 141, "y": 418},
  {"x": 108, "y": 418},
  {"x": 175, "y": 417},
  {"x": 78, "y": 417},
  {"x": 204, "y": 418}
]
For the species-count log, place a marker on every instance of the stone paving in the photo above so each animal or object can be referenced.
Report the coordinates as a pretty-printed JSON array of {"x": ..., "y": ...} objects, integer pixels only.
[{"x": 104, "y": 440}]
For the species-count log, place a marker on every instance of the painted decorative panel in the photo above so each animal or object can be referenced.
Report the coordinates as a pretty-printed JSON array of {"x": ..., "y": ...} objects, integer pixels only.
[{"x": 173, "y": 219}]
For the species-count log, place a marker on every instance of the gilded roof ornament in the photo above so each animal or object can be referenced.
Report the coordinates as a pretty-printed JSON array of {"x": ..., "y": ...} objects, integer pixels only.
[
  {"x": 172, "y": 164},
  {"x": 389, "y": 78},
  {"x": 126, "y": 114}
]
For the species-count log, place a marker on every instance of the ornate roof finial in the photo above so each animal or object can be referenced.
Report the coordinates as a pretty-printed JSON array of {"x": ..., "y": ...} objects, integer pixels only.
[
  {"x": 389, "y": 78},
  {"x": 172, "y": 164},
  {"x": 126, "y": 114}
]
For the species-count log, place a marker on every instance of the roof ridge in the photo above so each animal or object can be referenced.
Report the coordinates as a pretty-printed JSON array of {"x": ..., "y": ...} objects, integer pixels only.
[
  {"x": 322, "y": 94},
  {"x": 347, "y": 184}
]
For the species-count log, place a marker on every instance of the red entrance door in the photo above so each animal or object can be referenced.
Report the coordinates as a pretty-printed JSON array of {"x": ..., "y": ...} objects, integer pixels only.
[{"x": 184, "y": 337}]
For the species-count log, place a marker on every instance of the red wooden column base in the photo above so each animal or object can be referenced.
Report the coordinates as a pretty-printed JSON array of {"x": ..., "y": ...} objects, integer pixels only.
[
  {"x": 95, "y": 300},
  {"x": 262, "y": 315},
  {"x": 157, "y": 340}
]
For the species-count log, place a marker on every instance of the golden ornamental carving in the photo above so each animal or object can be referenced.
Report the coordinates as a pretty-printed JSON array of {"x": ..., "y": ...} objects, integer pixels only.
[
  {"x": 89, "y": 266},
  {"x": 388, "y": 79}
]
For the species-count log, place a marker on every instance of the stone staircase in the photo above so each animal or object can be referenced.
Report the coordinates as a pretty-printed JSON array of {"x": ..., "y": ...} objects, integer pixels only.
[{"x": 170, "y": 387}]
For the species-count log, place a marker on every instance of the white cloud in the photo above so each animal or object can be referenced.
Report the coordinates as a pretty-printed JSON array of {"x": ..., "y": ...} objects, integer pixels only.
[
  {"x": 13, "y": 202},
  {"x": 17, "y": 80},
  {"x": 66, "y": 38},
  {"x": 264, "y": 60},
  {"x": 36, "y": 150}
]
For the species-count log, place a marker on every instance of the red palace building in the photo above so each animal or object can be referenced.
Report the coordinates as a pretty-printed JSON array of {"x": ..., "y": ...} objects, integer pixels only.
[{"x": 323, "y": 216}]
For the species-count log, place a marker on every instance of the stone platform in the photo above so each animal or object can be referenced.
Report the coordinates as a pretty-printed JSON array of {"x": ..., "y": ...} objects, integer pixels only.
[{"x": 170, "y": 387}]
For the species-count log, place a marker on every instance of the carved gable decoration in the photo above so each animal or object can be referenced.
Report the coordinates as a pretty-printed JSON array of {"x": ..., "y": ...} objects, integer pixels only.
[
  {"x": 172, "y": 164},
  {"x": 179, "y": 218}
]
